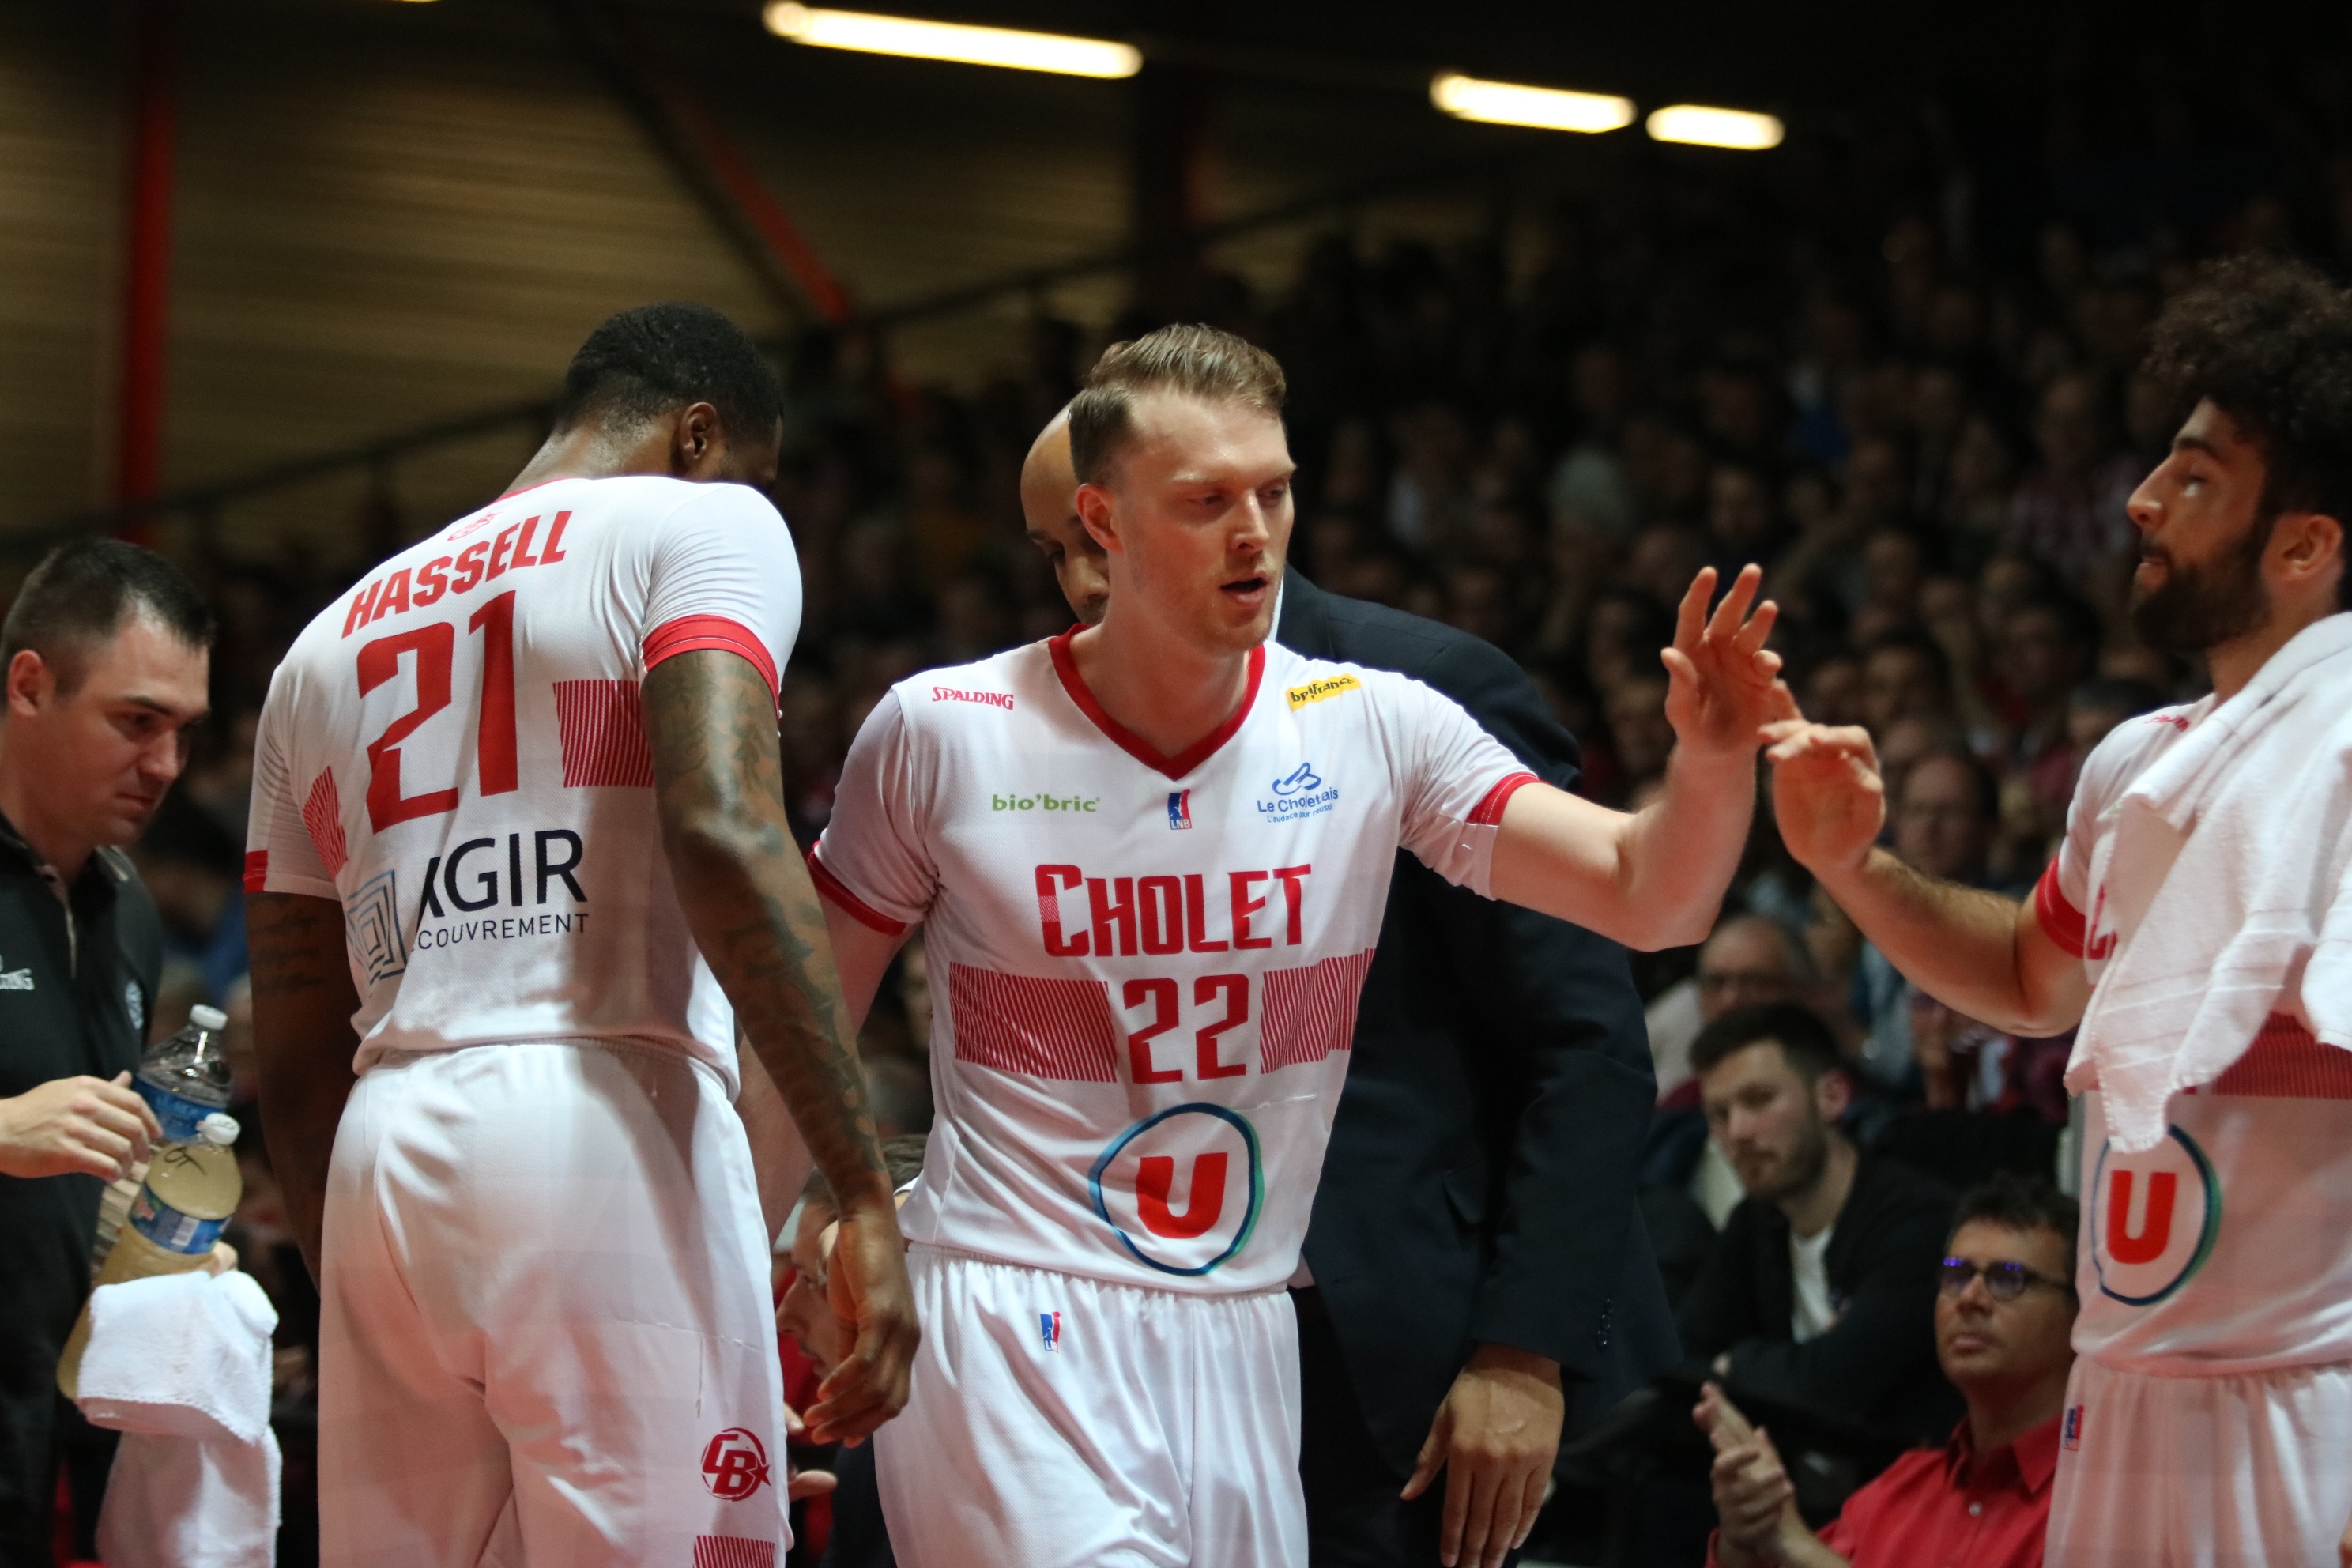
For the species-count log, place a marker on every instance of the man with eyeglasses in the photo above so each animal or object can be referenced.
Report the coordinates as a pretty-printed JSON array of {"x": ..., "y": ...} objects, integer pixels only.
[{"x": 2004, "y": 1312}]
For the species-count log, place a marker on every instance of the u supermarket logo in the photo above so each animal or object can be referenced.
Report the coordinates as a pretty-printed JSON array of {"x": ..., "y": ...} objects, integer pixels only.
[
  {"x": 1182, "y": 1189},
  {"x": 2154, "y": 1219}
]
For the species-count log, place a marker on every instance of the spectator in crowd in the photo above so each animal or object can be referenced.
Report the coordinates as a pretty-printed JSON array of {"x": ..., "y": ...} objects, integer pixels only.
[
  {"x": 1818, "y": 1296},
  {"x": 1947, "y": 809},
  {"x": 2005, "y": 1309},
  {"x": 106, "y": 653},
  {"x": 1748, "y": 960}
]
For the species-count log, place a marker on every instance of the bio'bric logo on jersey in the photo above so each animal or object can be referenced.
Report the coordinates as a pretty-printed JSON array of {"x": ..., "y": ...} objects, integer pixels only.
[
  {"x": 2155, "y": 1217},
  {"x": 1042, "y": 802},
  {"x": 1299, "y": 793},
  {"x": 1182, "y": 1189}
]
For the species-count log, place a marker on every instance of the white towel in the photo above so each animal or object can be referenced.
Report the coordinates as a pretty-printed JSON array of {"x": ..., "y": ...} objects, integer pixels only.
[
  {"x": 2229, "y": 864},
  {"x": 180, "y": 1365}
]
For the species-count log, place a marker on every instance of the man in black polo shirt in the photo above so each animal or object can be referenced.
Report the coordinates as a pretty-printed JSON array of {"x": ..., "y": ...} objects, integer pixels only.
[{"x": 106, "y": 656}]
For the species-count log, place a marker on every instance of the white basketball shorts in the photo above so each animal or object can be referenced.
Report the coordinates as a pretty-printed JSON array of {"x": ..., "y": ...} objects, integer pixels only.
[
  {"x": 2252, "y": 1470},
  {"x": 546, "y": 1336},
  {"x": 1059, "y": 1422}
]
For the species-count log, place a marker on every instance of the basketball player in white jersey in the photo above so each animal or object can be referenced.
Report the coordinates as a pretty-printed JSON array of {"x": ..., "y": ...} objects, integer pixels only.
[
  {"x": 1151, "y": 858},
  {"x": 519, "y": 861},
  {"x": 2210, "y": 1415}
]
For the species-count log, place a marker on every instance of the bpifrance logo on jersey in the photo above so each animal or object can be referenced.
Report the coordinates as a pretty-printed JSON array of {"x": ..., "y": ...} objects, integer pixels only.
[
  {"x": 1299, "y": 793},
  {"x": 1049, "y": 1330},
  {"x": 1179, "y": 809},
  {"x": 734, "y": 1465},
  {"x": 2070, "y": 1435},
  {"x": 1320, "y": 689},
  {"x": 1182, "y": 1189},
  {"x": 2155, "y": 1217}
]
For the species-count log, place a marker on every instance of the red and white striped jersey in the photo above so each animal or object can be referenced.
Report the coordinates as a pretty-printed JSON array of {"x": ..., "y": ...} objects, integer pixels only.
[
  {"x": 457, "y": 753},
  {"x": 1147, "y": 966},
  {"x": 2227, "y": 1247}
]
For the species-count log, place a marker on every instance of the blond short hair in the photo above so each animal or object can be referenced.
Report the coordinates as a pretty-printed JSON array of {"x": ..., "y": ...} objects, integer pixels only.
[{"x": 1195, "y": 361}]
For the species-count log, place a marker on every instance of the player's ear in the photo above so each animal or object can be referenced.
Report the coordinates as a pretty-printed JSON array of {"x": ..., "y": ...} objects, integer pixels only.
[
  {"x": 31, "y": 682},
  {"x": 697, "y": 447},
  {"x": 1099, "y": 516}
]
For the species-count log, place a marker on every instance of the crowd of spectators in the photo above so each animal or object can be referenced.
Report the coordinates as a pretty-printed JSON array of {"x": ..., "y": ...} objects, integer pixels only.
[{"x": 1926, "y": 432}]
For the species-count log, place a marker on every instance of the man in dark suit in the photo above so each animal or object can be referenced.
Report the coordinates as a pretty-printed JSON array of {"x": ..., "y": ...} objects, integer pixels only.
[{"x": 1476, "y": 1265}]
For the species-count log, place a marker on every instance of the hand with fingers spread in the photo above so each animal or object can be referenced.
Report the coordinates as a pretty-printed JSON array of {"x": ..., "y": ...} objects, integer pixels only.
[
  {"x": 866, "y": 1287},
  {"x": 87, "y": 1125},
  {"x": 1495, "y": 1437},
  {"x": 1721, "y": 677},
  {"x": 1827, "y": 795}
]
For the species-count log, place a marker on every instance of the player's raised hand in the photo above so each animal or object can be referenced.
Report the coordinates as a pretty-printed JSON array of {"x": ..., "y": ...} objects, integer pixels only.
[
  {"x": 866, "y": 1284},
  {"x": 1827, "y": 794},
  {"x": 1720, "y": 675}
]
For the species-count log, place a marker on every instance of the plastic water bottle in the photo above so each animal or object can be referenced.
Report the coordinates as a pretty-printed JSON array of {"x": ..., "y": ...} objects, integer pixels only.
[
  {"x": 185, "y": 1078},
  {"x": 191, "y": 1190}
]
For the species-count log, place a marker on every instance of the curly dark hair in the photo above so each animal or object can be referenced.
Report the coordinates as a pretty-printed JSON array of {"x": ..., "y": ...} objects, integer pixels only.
[
  {"x": 645, "y": 362},
  {"x": 2269, "y": 342}
]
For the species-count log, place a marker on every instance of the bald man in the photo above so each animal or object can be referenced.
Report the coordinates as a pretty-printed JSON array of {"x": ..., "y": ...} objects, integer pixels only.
[
  {"x": 1049, "y": 489},
  {"x": 1454, "y": 1318}
]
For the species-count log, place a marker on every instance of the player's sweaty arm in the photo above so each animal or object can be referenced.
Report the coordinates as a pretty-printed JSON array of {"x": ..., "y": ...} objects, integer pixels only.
[
  {"x": 1656, "y": 878},
  {"x": 303, "y": 1001},
  {"x": 1975, "y": 952},
  {"x": 719, "y": 790}
]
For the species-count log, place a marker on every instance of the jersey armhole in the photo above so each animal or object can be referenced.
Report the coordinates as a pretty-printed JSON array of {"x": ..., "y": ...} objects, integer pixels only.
[
  {"x": 834, "y": 888},
  {"x": 2060, "y": 921},
  {"x": 690, "y": 633},
  {"x": 1488, "y": 812}
]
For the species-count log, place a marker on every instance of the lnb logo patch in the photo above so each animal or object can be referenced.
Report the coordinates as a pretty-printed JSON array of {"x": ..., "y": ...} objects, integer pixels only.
[{"x": 1179, "y": 809}]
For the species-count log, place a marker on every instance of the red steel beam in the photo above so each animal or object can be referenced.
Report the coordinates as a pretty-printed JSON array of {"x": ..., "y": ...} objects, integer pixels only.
[{"x": 147, "y": 270}]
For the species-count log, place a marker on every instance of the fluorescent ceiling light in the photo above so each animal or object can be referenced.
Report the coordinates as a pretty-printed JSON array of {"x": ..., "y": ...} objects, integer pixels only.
[
  {"x": 1703, "y": 127},
  {"x": 924, "y": 40},
  {"x": 1546, "y": 107}
]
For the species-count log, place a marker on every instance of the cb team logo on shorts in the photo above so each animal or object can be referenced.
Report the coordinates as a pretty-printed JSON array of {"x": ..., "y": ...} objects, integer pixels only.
[
  {"x": 2153, "y": 1219},
  {"x": 734, "y": 1465},
  {"x": 1182, "y": 1189}
]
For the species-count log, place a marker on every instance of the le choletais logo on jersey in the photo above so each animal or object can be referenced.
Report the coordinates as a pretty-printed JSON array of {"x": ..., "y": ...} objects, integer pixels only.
[{"x": 1300, "y": 793}]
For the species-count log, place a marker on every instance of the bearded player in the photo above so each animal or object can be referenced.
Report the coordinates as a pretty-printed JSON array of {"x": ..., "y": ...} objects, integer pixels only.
[
  {"x": 519, "y": 862},
  {"x": 1151, "y": 858},
  {"x": 2196, "y": 924}
]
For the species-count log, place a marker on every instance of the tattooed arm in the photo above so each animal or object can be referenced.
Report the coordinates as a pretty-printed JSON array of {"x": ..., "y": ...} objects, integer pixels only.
[
  {"x": 718, "y": 786},
  {"x": 302, "y": 1006}
]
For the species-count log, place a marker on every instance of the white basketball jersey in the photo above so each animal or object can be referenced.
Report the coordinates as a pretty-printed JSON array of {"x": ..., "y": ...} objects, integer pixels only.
[
  {"x": 457, "y": 753},
  {"x": 1148, "y": 965},
  {"x": 2228, "y": 1247}
]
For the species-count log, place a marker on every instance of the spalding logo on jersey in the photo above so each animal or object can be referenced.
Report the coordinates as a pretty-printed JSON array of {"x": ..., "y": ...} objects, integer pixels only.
[
  {"x": 2154, "y": 1219},
  {"x": 1182, "y": 1189}
]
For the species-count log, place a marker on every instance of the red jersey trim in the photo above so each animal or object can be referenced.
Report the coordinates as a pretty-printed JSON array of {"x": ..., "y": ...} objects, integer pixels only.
[
  {"x": 257, "y": 870},
  {"x": 1066, "y": 665},
  {"x": 690, "y": 633},
  {"x": 1489, "y": 811},
  {"x": 2061, "y": 921},
  {"x": 834, "y": 888}
]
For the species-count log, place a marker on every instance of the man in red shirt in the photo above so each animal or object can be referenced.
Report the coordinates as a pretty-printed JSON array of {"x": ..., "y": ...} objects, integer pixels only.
[{"x": 2003, "y": 1317}]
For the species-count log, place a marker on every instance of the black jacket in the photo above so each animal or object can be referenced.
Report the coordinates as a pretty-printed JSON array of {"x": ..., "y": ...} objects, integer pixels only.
[
  {"x": 1875, "y": 1366},
  {"x": 1479, "y": 1181},
  {"x": 71, "y": 1002}
]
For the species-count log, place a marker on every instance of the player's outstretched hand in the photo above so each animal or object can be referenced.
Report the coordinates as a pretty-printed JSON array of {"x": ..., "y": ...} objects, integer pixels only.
[
  {"x": 866, "y": 1287},
  {"x": 1827, "y": 794},
  {"x": 1720, "y": 675},
  {"x": 76, "y": 1124}
]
